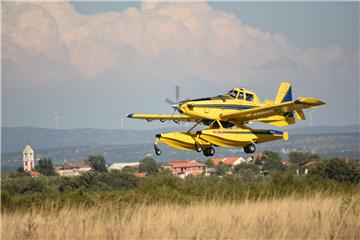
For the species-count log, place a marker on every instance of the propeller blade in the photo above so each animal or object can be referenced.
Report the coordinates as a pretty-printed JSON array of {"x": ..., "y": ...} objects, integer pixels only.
[{"x": 169, "y": 101}]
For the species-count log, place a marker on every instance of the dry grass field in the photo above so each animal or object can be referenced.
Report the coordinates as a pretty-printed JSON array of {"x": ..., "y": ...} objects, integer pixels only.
[{"x": 316, "y": 217}]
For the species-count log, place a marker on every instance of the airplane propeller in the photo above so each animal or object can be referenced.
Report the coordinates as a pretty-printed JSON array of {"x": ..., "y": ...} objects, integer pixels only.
[{"x": 174, "y": 105}]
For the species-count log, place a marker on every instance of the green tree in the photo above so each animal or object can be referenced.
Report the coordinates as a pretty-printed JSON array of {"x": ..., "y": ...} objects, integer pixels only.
[
  {"x": 258, "y": 162},
  {"x": 97, "y": 163},
  {"x": 209, "y": 163},
  {"x": 272, "y": 161},
  {"x": 221, "y": 169},
  {"x": 338, "y": 170},
  {"x": 240, "y": 168},
  {"x": 273, "y": 164},
  {"x": 247, "y": 171},
  {"x": 300, "y": 158},
  {"x": 20, "y": 170},
  {"x": 129, "y": 169},
  {"x": 19, "y": 173},
  {"x": 270, "y": 155},
  {"x": 149, "y": 165},
  {"x": 164, "y": 171},
  {"x": 45, "y": 167}
]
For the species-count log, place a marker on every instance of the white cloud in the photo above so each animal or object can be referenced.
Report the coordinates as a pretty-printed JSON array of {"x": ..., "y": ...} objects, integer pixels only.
[
  {"x": 51, "y": 45},
  {"x": 201, "y": 41}
]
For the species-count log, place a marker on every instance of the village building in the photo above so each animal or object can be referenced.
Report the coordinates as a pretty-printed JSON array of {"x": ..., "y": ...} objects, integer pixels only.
[
  {"x": 185, "y": 168},
  {"x": 231, "y": 161},
  {"x": 72, "y": 169},
  {"x": 254, "y": 157},
  {"x": 120, "y": 166},
  {"x": 29, "y": 161}
]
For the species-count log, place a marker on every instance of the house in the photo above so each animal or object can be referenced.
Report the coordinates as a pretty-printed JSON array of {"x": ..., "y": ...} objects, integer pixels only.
[
  {"x": 185, "y": 168},
  {"x": 254, "y": 157},
  {"x": 120, "y": 166},
  {"x": 231, "y": 161},
  {"x": 72, "y": 169}
]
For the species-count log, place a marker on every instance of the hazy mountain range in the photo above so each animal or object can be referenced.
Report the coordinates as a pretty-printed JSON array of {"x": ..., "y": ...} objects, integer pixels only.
[
  {"x": 15, "y": 138},
  {"x": 133, "y": 145}
]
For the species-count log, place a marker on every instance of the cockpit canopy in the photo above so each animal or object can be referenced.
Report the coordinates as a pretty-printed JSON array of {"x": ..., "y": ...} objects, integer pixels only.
[{"x": 242, "y": 94}]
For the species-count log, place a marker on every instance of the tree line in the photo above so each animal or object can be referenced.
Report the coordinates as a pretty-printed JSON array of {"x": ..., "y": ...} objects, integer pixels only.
[
  {"x": 265, "y": 178},
  {"x": 269, "y": 164}
]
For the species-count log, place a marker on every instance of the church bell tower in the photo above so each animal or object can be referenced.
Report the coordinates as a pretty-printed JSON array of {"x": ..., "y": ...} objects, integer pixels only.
[{"x": 28, "y": 159}]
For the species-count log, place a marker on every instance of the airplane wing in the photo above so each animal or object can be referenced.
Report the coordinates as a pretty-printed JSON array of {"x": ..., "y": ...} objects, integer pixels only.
[
  {"x": 162, "y": 117},
  {"x": 273, "y": 110}
]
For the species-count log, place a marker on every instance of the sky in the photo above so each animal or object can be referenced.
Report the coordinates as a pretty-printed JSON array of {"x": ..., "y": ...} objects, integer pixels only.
[{"x": 93, "y": 62}]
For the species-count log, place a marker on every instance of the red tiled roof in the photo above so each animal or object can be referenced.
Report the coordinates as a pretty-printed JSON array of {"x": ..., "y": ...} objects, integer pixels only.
[
  {"x": 230, "y": 160},
  {"x": 181, "y": 161},
  {"x": 189, "y": 165},
  {"x": 76, "y": 165},
  {"x": 185, "y": 163},
  {"x": 217, "y": 161},
  {"x": 227, "y": 160}
]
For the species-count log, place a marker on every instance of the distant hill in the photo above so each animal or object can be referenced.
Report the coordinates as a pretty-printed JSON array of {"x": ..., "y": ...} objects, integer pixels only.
[
  {"x": 325, "y": 130},
  {"x": 15, "y": 138},
  {"x": 327, "y": 145}
]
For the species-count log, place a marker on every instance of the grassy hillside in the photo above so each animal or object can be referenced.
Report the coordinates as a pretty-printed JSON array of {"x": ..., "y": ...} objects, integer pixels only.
[
  {"x": 316, "y": 217},
  {"x": 324, "y": 204}
]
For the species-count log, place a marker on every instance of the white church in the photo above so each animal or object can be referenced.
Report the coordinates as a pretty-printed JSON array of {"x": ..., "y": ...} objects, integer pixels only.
[{"x": 28, "y": 159}]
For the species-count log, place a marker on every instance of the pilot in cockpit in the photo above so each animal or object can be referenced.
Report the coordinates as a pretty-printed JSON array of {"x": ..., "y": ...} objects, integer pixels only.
[{"x": 249, "y": 97}]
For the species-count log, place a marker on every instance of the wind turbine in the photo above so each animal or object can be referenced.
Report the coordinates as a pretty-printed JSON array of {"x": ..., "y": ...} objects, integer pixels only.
[
  {"x": 311, "y": 117},
  {"x": 122, "y": 123},
  {"x": 56, "y": 119}
]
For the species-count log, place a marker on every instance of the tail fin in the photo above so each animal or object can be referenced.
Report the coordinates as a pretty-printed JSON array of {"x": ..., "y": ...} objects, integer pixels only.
[{"x": 284, "y": 93}]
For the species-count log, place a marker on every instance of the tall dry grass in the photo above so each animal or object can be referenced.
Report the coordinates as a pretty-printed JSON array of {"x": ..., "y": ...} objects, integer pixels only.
[{"x": 316, "y": 217}]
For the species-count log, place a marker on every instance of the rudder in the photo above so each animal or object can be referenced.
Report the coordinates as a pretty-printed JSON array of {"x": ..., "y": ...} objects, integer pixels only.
[{"x": 284, "y": 93}]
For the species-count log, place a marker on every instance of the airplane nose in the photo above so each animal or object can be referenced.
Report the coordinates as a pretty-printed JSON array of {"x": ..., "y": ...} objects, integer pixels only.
[{"x": 175, "y": 106}]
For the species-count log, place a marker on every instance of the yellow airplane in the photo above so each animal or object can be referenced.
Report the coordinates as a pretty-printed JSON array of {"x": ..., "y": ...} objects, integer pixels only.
[{"x": 225, "y": 117}]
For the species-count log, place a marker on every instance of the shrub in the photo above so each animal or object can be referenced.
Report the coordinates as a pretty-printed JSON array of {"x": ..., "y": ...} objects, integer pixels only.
[
  {"x": 45, "y": 167},
  {"x": 338, "y": 170},
  {"x": 300, "y": 158},
  {"x": 221, "y": 169},
  {"x": 149, "y": 165},
  {"x": 97, "y": 163}
]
